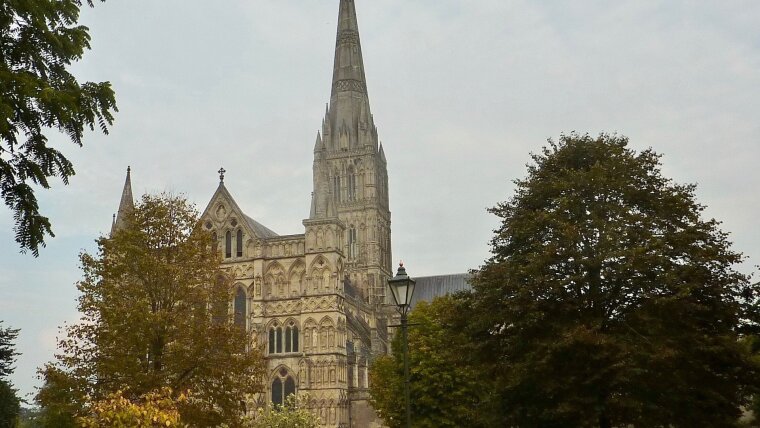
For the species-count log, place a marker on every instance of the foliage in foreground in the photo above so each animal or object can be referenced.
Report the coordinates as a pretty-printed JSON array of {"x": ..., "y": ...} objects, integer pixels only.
[
  {"x": 10, "y": 404},
  {"x": 154, "y": 305},
  {"x": 155, "y": 409},
  {"x": 40, "y": 41},
  {"x": 445, "y": 385},
  {"x": 293, "y": 414},
  {"x": 609, "y": 300}
]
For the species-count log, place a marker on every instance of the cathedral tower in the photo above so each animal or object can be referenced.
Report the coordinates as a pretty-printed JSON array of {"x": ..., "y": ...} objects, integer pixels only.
[
  {"x": 314, "y": 300},
  {"x": 350, "y": 172}
]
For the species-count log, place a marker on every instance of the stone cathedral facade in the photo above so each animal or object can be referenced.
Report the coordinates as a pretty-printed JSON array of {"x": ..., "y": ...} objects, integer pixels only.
[{"x": 315, "y": 301}]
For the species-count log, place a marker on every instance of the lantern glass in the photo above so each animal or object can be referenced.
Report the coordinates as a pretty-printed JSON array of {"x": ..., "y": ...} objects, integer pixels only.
[
  {"x": 410, "y": 291},
  {"x": 402, "y": 288}
]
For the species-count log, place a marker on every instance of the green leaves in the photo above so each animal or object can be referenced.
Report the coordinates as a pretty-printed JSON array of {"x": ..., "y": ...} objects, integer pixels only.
[
  {"x": 9, "y": 401},
  {"x": 7, "y": 349},
  {"x": 39, "y": 39},
  {"x": 146, "y": 322},
  {"x": 606, "y": 288},
  {"x": 445, "y": 386}
]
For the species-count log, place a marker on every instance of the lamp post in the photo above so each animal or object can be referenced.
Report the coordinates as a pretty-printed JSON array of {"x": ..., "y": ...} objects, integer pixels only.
[{"x": 402, "y": 288}]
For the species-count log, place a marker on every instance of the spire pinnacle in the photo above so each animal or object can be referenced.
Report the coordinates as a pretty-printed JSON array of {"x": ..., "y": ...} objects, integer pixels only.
[
  {"x": 318, "y": 146},
  {"x": 126, "y": 205}
]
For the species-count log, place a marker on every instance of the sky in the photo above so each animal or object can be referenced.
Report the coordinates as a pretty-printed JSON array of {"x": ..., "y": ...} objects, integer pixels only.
[{"x": 462, "y": 91}]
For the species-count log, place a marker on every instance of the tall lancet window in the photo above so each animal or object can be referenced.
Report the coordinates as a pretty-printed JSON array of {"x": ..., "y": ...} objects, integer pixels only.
[
  {"x": 282, "y": 386},
  {"x": 336, "y": 187},
  {"x": 239, "y": 243},
  {"x": 240, "y": 308},
  {"x": 351, "y": 185},
  {"x": 352, "y": 244},
  {"x": 277, "y": 397},
  {"x": 228, "y": 244}
]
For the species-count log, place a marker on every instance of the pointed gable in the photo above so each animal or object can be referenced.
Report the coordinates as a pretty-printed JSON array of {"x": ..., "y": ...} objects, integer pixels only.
[{"x": 222, "y": 206}]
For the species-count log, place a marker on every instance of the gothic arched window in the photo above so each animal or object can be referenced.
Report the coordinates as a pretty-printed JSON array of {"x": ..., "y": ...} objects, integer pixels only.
[
  {"x": 282, "y": 386},
  {"x": 351, "y": 185},
  {"x": 214, "y": 240},
  {"x": 275, "y": 339},
  {"x": 336, "y": 187},
  {"x": 290, "y": 387},
  {"x": 291, "y": 337},
  {"x": 239, "y": 243},
  {"x": 352, "y": 244},
  {"x": 240, "y": 308},
  {"x": 228, "y": 244},
  {"x": 277, "y": 397}
]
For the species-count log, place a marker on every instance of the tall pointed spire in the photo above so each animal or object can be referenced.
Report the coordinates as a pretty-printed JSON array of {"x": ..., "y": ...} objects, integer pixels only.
[
  {"x": 126, "y": 205},
  {"x": 348, "y": 97},
  {"x": 348, "y": 70}
]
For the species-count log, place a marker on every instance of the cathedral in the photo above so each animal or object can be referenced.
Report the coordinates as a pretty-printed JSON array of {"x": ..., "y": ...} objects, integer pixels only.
[{"x": 316, "y": 300}]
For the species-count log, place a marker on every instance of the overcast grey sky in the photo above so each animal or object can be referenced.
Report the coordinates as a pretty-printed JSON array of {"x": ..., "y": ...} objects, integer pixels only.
[{"x": 461, "y": 90}]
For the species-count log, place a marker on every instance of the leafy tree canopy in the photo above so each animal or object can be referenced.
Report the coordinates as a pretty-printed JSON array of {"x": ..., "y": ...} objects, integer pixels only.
[
  {"x": 609, "y": 300},
  {"x": 10, "y": 404},
  {"x": 154, "y": 409},
  {"x": 154, "y": 304},
  {"x": 39, "y": 40},
  {"x": 445, "y": 385},
  {"x": 294, "y": 414},
  {"x": 7, "y": 350}
]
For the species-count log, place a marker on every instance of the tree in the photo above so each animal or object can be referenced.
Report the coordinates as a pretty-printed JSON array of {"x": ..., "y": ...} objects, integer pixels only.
[
  {"x": 39, "y": 40},
  {"x": 154, "y": 304},
  {"x": 60, "y": 398},
  {"x": 154, "y": 409},
  {"x": 7, "y": 350},
  {"x": 293, "y": 414},
  {"x": 608, "y": 299},
  {"x": 445, "y": 384},
  {"x": 10, "y": 404}
]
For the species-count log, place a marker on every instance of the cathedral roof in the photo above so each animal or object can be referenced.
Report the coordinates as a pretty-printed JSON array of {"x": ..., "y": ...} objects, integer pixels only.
[
  {"x": 430, "y": 287},
  {"x": 259, "y": 229}
]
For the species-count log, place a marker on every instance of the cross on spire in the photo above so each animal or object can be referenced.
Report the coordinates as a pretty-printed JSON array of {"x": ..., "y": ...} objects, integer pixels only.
[{"x": 221, "y": 174}]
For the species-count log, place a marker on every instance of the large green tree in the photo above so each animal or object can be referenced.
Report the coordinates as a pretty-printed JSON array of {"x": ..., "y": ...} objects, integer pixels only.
[
  {"x": 609, "y": 300},
  {"x": 154, "y": 304},
  {"x": 39, "y": 40},
  {"x": 10, "y": 404},
  {"x": 446, "y": 387}
]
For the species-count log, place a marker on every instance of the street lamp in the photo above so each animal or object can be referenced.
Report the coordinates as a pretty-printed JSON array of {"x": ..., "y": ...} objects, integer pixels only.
[{"x": 402, "y": 288}]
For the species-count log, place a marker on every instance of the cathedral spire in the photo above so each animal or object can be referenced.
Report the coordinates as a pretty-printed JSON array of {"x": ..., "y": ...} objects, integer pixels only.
[
  {"x": 348, "y": 70},
  {"x": 348, "y": 96},
  {"x": 126, "y": 205}
]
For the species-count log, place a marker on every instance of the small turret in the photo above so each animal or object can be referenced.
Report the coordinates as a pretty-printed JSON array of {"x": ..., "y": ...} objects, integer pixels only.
[
  {"x": 318, "y": 145},
  {"x": 126, "y": 205}
]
